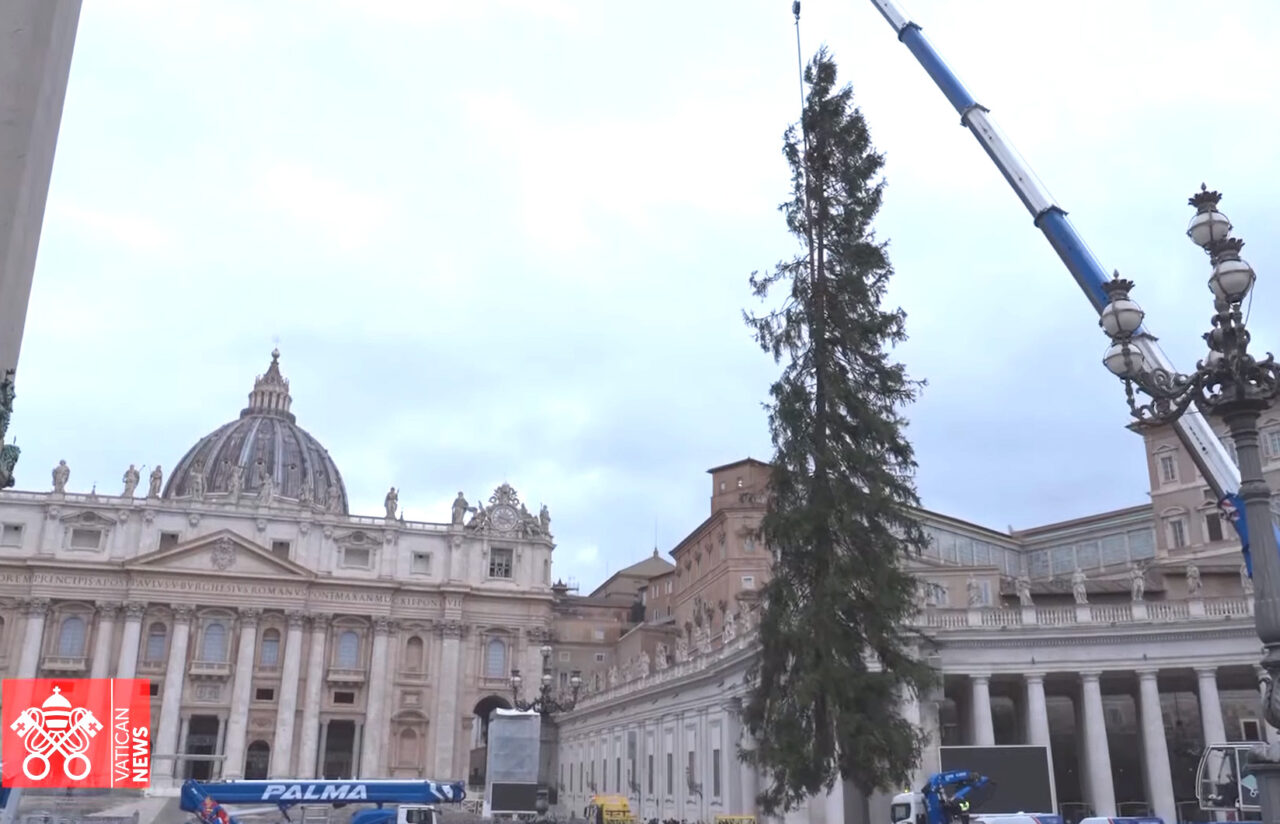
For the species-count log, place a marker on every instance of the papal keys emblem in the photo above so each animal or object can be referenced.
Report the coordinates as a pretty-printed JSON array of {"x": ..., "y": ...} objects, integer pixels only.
[{"x": 56, "y": 727}]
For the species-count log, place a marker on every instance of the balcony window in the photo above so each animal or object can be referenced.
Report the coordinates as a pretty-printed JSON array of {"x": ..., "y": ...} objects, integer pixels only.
[
  {"x": 348, "y": 652},
  {"x": 414, "y": 655},
  {"x": 269, "y": 655},
  {"x": 1213, "y": 527},
  {"x": 157, "y": 634},
  {"x": 495, "y": 659},
  {"x": 213, "y": 646},
  {"x": 71, "y": 637},
  {"x": 1177, "y": 533},
  {"x": 1168, "y": 469}
]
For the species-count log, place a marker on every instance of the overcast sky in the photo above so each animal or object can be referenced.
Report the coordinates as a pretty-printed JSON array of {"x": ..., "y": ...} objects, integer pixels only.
[{"x": 510, "y": 240}]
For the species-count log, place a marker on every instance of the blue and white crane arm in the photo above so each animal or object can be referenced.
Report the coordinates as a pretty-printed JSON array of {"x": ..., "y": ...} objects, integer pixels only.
[
  {"x": 1193, "y": 430},
  {"x": 208, "y": 799}
]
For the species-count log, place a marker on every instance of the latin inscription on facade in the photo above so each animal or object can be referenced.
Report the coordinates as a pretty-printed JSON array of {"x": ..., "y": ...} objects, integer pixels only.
[
  {"x": 351, "y": 596},
  {"x": 205, "y": 587}
]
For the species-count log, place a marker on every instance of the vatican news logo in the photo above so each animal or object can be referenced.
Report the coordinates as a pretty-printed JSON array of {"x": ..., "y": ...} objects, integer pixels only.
[{"x": 91, "y": 733}]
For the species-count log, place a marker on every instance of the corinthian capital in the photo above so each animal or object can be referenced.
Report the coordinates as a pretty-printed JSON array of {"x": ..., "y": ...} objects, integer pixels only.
[
  {"x": 450, "y": 629},
  {"x": 249, "y": 616},
  {"x": 296, "y": 619},
  {"x": 183, "y": 612},
  {"x": 320, "y": 621},
  {"x": 383, "y": 625},
  {"x": 35, "y": 607},
  {"x": 108, "y": 610},
  {"x": 134, "y": 610}
]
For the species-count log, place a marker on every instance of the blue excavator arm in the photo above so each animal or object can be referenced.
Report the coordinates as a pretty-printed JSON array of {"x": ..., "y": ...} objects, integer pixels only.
[
  {"x": 1197, "y": 436},
  {"x": 206, "y": 798},
  {"x": 949, "y": 794}
]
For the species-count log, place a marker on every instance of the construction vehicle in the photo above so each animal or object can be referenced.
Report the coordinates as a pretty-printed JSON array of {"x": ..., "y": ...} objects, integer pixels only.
[
  {"x": 1023, "y": 772},
  {"x": 1197, "y": 436},
  {"x": 956, "y": 797},
  {"x": 1221, "y": 783},
  {"x": 415, "y": 799}
]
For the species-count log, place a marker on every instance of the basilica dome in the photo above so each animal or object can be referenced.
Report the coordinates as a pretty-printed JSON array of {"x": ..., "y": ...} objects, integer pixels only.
[{"x": 261, "y": 458}]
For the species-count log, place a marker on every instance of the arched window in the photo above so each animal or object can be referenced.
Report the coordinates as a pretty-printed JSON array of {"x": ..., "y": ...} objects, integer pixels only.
[
  {"x": 256, "y": 760},
  {"x": 269, "y": 656},
  {"x": 495, "y": 659},
  {"x": 414, "y": 656},
  {"x": 408, "y": 751},
  {"x": 213, "y": 646},
  {"x": 157, "y": 634},
  {"x": 71, "y": 637},
  {"x": 348, "y": 650}
]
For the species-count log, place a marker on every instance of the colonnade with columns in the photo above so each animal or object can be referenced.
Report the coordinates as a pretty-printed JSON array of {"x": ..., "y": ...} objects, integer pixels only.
[
  {"x": 972, "y": 693},
  {"x": 113, "y": 644}
]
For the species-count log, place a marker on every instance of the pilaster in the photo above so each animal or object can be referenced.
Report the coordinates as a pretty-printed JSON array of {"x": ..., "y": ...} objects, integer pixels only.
[
  {"x": 104, "y": 635},
  {"x": 282, "y": 745},
  {"x": 36, "y": 611},
  {"x": 310, "y": 734},
  {"x": 445, "y": 723},
  {"x": 130, "y": 638}
]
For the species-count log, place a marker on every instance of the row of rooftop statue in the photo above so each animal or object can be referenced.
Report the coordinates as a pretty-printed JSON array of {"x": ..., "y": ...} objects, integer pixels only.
[
  {"x": 504, "y": 497},
  {"x": 929, "y": 594}
]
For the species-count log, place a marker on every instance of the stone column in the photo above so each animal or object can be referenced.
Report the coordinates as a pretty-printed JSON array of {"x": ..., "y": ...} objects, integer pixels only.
[
  {"x": 1102, "y": 789},
  {"x": 1269, "y": 733},
  {"x": 1215, "y": 731},
  {"x": 175, "y": 670},
  {"x": 37, "y": 38},
  {"x": 105, "y": 634},
  {"x": 1037, "y": 721},
  {"x": 984, "y": 731},
  {"x": 309, "y": 735},
  {"x": 445, "y": 723},
  {"x": 241, "y": 689},
  {"x": 37, "y": 611},
  {"x": 282, "y": 749},
  {"x": 374, "y": 745},
  {"x": 1155, "y": 750},
  {"x": 130, "y": 639}
]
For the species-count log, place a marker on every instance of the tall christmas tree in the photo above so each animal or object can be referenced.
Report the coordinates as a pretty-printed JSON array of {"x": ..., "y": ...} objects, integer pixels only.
[{"x": 837, "y": 653}]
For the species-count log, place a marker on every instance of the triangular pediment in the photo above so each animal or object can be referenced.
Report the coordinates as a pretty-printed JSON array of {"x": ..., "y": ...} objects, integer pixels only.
[{"x": 219, "y": 552}]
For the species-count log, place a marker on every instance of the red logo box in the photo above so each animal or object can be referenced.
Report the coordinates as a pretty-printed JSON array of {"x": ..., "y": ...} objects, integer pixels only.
[{"x": 76, "y": 732}]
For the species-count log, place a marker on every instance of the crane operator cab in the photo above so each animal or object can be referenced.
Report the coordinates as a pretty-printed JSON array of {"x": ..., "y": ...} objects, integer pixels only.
[{"x": 417, "y": 814}]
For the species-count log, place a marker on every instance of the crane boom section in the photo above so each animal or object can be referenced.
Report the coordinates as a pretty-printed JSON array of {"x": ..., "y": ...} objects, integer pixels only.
[
  {"x": 287, "y": 793},
  {"x": 1193, "y": 429}
]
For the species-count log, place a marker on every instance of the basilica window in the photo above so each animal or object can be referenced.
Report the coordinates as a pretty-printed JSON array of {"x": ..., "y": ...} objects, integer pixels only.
[
  {"x": 157, "y": 634},
  {"x": 414, "y": 655},
  {"x": 495, "y": 659},
  {"x": 86, "y": 538},
  {"x": 1168, "y": 469},
  {"x": 71, "y": 637},
  {"x": 348, "y": 653},
  {"x": 269, "y": 655},
  {"x": 1272, "y": 437},
  {"x": 213, "y": 646},
  {"x": 500, "y": 563},
  {"x": 1177, "y": 533},
  {"x": 1213, "y": 526}
]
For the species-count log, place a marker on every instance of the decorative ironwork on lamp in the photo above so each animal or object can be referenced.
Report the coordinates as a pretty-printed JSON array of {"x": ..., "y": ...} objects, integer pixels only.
[
  {"x": 8, "y": 452},
  {"x": 547, "y": 702}
]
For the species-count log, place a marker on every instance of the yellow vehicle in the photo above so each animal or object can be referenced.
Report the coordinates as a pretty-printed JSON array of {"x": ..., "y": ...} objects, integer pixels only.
[{"x": 609, "y": 809}]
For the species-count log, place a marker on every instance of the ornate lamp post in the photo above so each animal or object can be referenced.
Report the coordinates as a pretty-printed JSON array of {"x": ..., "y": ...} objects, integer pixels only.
[
  {"x": 8, "y": 452},
  {"x": 546, "y": 703},
  {"x": 1235, "y": 386}
]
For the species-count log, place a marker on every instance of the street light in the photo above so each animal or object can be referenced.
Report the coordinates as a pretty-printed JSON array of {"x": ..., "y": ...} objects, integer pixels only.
[
  {"x": 546, "y": 703},
  {"x": 1232, "y": 384}
]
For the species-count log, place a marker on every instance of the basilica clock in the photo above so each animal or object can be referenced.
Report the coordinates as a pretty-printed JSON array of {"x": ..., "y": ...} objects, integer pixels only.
[{"x": 504, "y": 518}]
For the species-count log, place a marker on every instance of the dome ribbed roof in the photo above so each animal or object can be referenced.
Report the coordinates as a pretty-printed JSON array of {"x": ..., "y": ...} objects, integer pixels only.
[{"x": 263, "y": 457}]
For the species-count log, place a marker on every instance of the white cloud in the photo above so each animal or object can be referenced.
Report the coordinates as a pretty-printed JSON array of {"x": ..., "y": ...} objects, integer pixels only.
[
  {"x": 326, "y": 208},
  {"x": 136, "y": 233}
]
